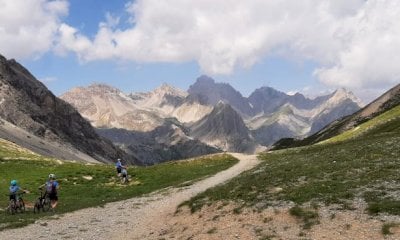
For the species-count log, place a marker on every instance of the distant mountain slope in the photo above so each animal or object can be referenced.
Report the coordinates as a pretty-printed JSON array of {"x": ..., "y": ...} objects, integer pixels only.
[
  {"x": 164, "y": 99},
  {"x": 142, "y": 124},
  {"x": 225, "y": 129},
  {"x": 105, "y": 106},
  {"x": 298, "y": 116},
  {"x": 168, "y": 101},
  {"x": 337, "y": 105},
  {"x": 164, "y": 143},
  {"x": 265, "y": 105},
  {"x": 27, "y": 104},
  {"x": 384, "y": 103},
  {"x": 284, "y": 122}
]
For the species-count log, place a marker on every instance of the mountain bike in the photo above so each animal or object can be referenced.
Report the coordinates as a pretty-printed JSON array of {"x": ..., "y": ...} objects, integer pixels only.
[
  {"x": 15, "y": 205},
  {"x": 124, "y": 179},
  {"x": 43, "y": 202}
]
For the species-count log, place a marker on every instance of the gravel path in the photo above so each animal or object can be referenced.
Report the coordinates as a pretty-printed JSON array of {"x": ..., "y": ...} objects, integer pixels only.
[{"x": 136, "y": 218}]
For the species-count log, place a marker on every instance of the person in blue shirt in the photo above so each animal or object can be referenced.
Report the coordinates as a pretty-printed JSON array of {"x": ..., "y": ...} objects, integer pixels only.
[
  {"x": 52, "y": 187},
  {"x": 14, "y": 190},
  {"x": 119, "y": 167}
]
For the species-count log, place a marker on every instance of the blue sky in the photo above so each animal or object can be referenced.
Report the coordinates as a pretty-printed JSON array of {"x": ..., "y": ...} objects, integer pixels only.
[
  {"x": 63, "y": 73},
  {"x": 138, "y": 45}
]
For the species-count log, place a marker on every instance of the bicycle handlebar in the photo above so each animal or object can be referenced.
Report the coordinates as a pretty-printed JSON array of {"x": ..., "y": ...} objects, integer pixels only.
[{"x": 10, "y": 194}]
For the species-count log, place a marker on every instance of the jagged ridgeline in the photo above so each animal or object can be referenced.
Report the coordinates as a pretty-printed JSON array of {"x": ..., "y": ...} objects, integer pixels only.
[
  {"x": 33, "y": 117},
  {"x": 353, "y": 122},
  {"x": 168, "y": 123}
]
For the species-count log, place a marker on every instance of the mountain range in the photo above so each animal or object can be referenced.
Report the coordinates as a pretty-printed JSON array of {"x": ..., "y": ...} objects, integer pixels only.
[
  {"x": 163, "y": 124},
  {"x": 102, "y": 123},
  {"x": 382, "y": 104}
]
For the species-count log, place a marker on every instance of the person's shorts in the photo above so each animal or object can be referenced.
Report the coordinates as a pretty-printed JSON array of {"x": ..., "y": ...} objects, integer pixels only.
[
  {"x": 53, "y": 196},
  {"x": 13, "y": 196},
  {"x": 119, "y": 170}
]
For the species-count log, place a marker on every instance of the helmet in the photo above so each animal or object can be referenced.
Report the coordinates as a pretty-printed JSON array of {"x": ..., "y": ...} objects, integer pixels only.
[
  {"x": 119, "y": 159},
  {"x": 52, "y": 176},
  {"x": 13, "y": 182}
]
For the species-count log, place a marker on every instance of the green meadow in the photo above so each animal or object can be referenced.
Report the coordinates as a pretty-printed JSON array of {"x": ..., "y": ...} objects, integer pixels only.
[
  {"x": 89, "y": 185},
  {"x": 360, "y": 164}
]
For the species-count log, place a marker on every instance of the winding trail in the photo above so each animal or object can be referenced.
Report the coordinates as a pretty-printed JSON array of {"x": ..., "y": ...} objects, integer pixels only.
[{"x": 135, "y": 218}]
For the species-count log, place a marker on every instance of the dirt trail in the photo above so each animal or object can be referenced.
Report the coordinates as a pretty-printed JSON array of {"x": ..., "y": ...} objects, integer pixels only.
[{"x": 136, "y": 218}]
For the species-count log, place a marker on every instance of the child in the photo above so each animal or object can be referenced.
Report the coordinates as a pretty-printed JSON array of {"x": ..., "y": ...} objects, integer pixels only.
[
  {"x": 14, "y": 190},
  {"x": 124, "y": 175}
]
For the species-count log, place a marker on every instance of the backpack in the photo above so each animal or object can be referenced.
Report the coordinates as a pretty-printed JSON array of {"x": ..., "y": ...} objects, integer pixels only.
[{"x": 51, "y": 187}]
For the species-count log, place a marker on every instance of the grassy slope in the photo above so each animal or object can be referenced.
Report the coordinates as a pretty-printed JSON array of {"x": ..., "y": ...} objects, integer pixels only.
[
  {"x": 367, "y": 127},
  {"x": 77, "y": 192},
  {"x": 366, "y": 167}
]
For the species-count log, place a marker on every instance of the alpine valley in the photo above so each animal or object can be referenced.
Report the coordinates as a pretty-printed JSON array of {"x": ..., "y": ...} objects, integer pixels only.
[{"x": 170, "y": 124}]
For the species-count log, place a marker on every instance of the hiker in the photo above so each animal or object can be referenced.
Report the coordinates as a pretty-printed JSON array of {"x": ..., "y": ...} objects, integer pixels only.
[
  {"x": 51, "y": 189},
  {"x": 119, "y": 167}
]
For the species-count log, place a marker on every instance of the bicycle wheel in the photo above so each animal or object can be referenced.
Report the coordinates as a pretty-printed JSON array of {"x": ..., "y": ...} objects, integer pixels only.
[
  {"x": 37, "y": 207},
  {"x": 46, "y": 204},
  {"x": 11, "y": 207},
  {"x": 21, "y": 205}
]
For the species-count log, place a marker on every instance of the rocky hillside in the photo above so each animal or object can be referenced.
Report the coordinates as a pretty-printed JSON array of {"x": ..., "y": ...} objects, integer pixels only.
[
  {"x": 384, "y": 103},
  {"x": 33, "y": 117}
]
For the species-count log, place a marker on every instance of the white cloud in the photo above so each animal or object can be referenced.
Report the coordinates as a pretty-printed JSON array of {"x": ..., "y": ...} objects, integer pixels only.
[
  {"x": 371, "y": 55},
  {"x": 355, "y": 42},
  {"x": 28, "y": 27}
]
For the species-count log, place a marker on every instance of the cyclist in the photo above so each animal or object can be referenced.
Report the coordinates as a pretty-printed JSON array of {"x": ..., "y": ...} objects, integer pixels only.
[
  {"x": 51, "y": 189},
  {"x": 14, "y": 190}
]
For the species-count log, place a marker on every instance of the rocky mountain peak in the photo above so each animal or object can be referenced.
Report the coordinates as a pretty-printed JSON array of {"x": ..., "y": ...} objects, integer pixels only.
[
  {"x": 166, "y": 89},
  {"x": 100, "y": 88},
  {"x": 269, "y": 91},
  {"x": 204, "y": 79},
  {"x": 343, "y": 94},
  {"x": 208, "y": 92},
  {"x": 221, "y": 106},
  {"x": 3, "y": 59},
  {"x": 266, "y": 99}
]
